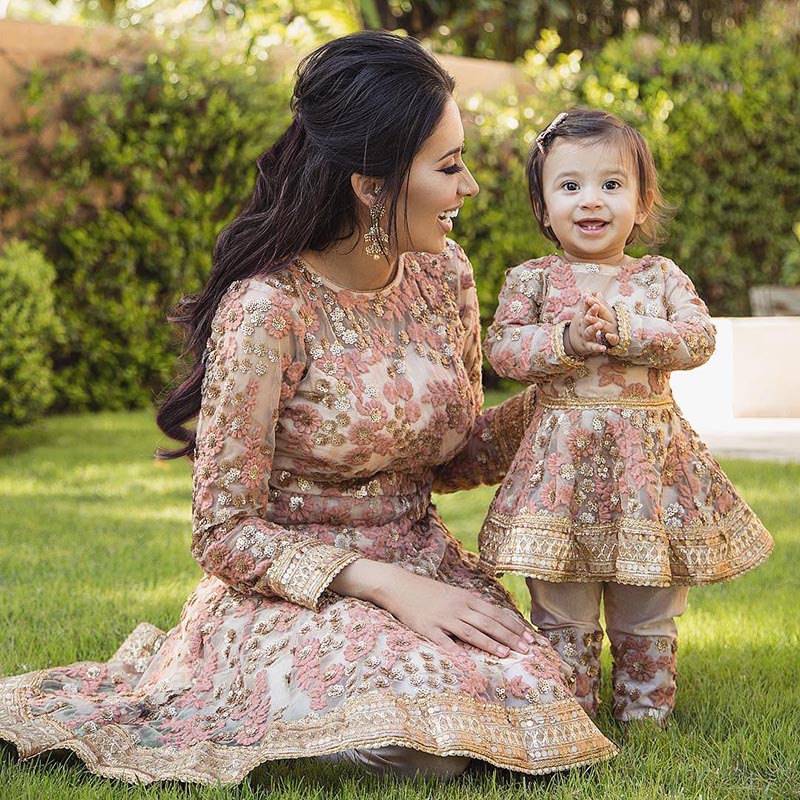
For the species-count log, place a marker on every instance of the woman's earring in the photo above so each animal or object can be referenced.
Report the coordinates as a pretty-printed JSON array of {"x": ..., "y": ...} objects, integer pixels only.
[{"x": 376, "y": 238}]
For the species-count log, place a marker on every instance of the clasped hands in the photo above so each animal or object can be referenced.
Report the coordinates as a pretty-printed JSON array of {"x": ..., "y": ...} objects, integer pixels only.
[{"x": 593, "y": 329}]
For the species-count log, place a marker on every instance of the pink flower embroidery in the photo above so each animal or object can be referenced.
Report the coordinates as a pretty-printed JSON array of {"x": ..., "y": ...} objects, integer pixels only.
[
  {"x": 639, "y": 666},
  {"x": 232, "y": 316},
  {"x": 215, "y": 557},
  {"x": 306, "y": 419},
  {"x": 241, "y": 566},
  {"x": 581, "y": 443},
  {"x": 663, "y": 697},
  {"x": 555, "y": 460},
  {"x": 549, "y": 496},
  {"x": 517, "y": 687},
  {"x": 210, "y": 441}
]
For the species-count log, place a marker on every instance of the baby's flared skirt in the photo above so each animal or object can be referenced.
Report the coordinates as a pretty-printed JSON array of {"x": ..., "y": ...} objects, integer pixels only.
[
  {"x": 245, "y": 679},
  {"x": 625, "y": 493}
]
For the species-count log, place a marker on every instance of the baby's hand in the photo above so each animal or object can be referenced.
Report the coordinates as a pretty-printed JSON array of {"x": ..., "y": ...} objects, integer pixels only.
[
  {"x": 577, "y": 339},
  {"x": 600, "y": 321}
]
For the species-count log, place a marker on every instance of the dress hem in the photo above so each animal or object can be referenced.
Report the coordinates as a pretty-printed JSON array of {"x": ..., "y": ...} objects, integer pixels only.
[
  {"x": 471, "y": 725},
  {"x": 630, "y": 551}
]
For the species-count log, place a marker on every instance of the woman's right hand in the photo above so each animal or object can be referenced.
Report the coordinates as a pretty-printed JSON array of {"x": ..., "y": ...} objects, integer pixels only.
[{"x": 436, "y": 610}]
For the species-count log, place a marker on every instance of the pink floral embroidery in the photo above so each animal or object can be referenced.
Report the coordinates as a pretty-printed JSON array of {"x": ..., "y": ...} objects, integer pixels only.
[
  {"x": 581, "y": 443},
  {"x": 306, "y": 419}
]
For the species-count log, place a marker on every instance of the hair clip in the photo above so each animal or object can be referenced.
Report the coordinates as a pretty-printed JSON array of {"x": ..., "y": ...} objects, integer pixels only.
[{"x": 543, "y": 139}]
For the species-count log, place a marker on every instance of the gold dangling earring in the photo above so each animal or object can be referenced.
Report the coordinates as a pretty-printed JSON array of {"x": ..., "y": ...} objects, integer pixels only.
[{"x": 376, "y": 238}]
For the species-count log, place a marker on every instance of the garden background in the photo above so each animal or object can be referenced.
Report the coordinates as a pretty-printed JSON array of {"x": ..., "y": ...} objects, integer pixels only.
[{"x": 121, "y": 159}]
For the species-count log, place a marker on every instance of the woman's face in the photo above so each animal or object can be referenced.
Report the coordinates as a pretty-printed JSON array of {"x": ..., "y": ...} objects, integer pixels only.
[{"x": 437, "y": 184}]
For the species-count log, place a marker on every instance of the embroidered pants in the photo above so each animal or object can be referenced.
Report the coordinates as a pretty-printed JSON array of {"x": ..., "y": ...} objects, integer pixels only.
[
  {"x": 640, "y": 622},
  {"x": 401, "y": 761}
]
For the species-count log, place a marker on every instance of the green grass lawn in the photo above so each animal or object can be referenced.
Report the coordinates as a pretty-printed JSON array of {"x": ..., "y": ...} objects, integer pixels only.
[{"x": 95, "y": 538}]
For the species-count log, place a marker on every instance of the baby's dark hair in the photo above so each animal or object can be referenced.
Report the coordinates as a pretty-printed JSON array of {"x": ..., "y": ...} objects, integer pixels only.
[{"x": 588, "y": 125}]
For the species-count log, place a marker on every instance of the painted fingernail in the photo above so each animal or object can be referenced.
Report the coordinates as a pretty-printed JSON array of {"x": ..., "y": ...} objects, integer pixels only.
[
  {"x": 503, "y": 651},
  {"x": 522, "y": 646},
  {"x": 528, "y": 636}
]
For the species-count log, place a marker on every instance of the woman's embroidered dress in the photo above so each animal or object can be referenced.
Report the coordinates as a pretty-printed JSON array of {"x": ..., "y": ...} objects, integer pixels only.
[
  {"x": 327, "y": 418},
  {"x": 610, "y": 482}
]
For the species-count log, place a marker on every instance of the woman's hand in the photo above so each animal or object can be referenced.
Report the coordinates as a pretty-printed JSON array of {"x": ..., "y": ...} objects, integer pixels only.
[{"x": 434, "y": 609}]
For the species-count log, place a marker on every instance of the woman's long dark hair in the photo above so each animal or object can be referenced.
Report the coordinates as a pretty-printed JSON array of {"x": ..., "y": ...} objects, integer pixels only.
[{"x": 364, "y": 104}]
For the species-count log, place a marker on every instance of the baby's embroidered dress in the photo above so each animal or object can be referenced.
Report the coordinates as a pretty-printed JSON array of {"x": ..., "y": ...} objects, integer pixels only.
[
  {"x": 610, "y": 482},
  {"x": 327, "y": 418}
]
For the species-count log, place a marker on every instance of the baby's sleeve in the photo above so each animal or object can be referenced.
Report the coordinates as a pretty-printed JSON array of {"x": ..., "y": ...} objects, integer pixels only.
[
  {"x": 684, "y": 339},
  {"x": 519, "y": 344}
]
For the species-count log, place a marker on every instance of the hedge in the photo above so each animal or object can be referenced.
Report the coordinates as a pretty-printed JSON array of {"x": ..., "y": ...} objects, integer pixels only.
[
  {"x": 127, "y": 186},
  {"x": 30, "y": 328}
]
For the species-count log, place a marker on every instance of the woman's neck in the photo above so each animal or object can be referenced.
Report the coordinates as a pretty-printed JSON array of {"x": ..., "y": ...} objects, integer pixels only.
[{"x": 348, "y": 266}]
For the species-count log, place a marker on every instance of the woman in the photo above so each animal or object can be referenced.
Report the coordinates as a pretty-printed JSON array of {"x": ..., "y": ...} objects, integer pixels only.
[{"x": 337, "y": 381}]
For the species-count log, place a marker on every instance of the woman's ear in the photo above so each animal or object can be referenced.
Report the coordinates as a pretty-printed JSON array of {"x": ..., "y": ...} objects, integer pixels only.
[{"x": 365, "y": 189}]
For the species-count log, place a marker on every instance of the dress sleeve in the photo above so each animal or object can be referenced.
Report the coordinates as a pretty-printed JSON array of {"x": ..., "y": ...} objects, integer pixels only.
[
  {"x": 255, "y": 359},
  {"x": 497, "y": 432},
  {"x": 519, "y": 345},
  {"x": 683, "y": 340}
]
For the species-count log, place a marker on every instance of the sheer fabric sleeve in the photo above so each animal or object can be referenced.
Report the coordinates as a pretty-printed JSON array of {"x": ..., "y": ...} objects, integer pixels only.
[
  {"x": 685, "y": 339},
  {"x": 519, "y": 345},
  {"x": 255, "y": 359},
  {"x": 498, "y": 431}
]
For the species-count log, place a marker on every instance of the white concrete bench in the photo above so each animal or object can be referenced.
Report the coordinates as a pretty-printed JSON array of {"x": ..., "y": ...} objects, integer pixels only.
[{"x": 746, "y": 398}]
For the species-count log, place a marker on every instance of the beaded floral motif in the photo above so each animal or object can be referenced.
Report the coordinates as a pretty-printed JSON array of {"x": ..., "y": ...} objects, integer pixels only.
[{"x": 610, "y": 482}]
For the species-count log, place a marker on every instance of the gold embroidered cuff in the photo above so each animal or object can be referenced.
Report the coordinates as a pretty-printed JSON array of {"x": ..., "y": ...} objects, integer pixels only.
[
  {"x": 301, "y": 572},
  {"x": 624, "y": 329},
  {"x": 558, "y": 348}
]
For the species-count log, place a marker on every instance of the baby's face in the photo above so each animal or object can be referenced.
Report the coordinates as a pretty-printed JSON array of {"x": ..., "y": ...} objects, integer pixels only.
[{"x": 591, "y": 198}]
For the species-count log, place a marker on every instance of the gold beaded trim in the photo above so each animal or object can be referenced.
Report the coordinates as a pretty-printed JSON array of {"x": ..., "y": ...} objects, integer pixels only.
[
  {"x": 558, "y": 347},
  {"x": 624, "y": 330},
  {"x": 554, "y": 401}
]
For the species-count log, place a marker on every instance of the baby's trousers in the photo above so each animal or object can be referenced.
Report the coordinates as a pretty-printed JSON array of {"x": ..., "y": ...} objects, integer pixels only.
[{"x": 640, "y": 623}]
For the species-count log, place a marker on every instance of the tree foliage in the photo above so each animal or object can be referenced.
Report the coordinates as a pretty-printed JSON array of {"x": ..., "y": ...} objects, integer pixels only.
[
  {"x": 499, "y": 29},
  {"x": 506, "y": 29}
]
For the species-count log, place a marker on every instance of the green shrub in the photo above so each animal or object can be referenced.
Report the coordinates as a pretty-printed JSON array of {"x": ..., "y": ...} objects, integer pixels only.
[
  {"x": 128, "y": 185},
  {"x": 30, "y": 327},
  {"x": 791, "y": 264}
]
